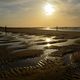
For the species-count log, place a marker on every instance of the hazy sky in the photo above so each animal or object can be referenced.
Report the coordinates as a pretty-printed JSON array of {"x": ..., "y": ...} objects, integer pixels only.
[{"x": 31, "y": 13}]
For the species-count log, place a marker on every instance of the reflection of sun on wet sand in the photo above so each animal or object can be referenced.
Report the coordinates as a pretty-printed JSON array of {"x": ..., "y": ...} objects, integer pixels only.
[{"x": 44, "y": 55}]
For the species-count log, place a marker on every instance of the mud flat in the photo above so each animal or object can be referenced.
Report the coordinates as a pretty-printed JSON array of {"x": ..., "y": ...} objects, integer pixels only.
[
  {"x": 55, "y": 57},
  {"x": 27, "y": 53}
]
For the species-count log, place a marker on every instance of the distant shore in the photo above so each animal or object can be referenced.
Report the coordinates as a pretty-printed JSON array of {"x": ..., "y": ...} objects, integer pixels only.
[{"x": 38, "y": 31}]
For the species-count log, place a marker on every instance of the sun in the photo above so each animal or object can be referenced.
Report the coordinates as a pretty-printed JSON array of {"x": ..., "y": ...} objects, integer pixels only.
[{"x": 48, "y": 9}]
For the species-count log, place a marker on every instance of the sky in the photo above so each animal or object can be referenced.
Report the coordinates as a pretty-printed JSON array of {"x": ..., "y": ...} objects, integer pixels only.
[{"x": 31, "y": 13}]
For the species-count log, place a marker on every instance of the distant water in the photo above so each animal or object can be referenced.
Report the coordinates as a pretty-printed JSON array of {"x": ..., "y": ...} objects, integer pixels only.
[
  {"x": 76, "y": 30},
  {"x": 72, "y": 30}
]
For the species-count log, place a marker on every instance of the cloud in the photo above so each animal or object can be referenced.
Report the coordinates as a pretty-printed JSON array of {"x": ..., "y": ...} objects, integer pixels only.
[
  {"x": 18, "y": 9},
  {"x": 13, "y": 6},
  {"x": 69, "y": 8},
  {"x": 28, "y": 8}
]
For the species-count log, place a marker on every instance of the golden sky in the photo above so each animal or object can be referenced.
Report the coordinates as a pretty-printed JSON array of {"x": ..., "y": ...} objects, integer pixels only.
[{"x": 34, "y": 13}]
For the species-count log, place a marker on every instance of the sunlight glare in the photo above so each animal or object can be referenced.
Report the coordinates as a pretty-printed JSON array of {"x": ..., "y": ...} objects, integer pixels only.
[
  {"x": 48, "y": 39},
  {"x": 49, "y": 9},
  {"x": 47, "y": 28},
  {"x": 48, "y": 45}
]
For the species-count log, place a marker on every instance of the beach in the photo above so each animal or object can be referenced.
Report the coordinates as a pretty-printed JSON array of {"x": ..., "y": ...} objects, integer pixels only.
[{"x": 35, "y": 54}]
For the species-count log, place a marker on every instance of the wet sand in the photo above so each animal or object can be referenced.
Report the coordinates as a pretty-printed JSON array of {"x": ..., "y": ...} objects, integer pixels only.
[{"x": 40, "y": 56}]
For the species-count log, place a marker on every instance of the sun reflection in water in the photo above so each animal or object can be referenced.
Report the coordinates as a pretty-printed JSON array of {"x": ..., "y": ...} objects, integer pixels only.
[
  {"x": 48, "y": 39},
  {"x": 48, "y": 45},
  {"x": 47, "y": 28}
]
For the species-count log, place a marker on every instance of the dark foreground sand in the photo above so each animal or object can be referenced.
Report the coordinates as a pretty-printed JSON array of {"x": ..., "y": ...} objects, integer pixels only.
[{"x": 65, "y": 64}]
